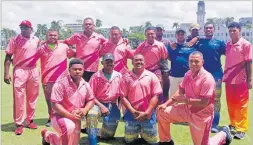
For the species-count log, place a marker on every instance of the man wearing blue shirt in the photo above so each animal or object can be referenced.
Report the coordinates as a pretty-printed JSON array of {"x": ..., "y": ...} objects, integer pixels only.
[
  {"x": 212, "y": 49},
  {"x": 178, "y": 55}
]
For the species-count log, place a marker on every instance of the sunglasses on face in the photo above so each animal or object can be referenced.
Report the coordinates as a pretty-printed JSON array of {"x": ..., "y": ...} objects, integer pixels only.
[{"x": 24, "y": 27}]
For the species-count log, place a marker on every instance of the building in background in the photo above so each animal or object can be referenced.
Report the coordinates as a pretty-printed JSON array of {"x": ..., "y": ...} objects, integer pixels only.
[{"x": 221, "y": 31}]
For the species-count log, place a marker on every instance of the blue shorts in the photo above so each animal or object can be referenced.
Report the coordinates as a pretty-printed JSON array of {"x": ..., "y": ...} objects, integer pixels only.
[{"x": 147, "y": 129}]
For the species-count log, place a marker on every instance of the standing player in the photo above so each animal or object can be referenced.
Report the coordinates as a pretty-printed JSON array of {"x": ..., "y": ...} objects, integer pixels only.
[
  {"x": 237, "y": 78},
  {"x": 119, "y": 48},
  {"x": 179, "y": 57},
  {"x": 194, "y": 30},
  {"x": 192, "y": 103},
  {"x": 212, "y": 49},
  {"x": 72, "y": 98},
  {"x": 25, "y": 75},
  {"x": 105, "y": 85},
  {"x": 154, "y": 52},
  {"x": 88, "y": 45},
  {"x": 164, "y": 63},
  {"x": 53, "y": 58},
  {"x": 139, "y": 91}
]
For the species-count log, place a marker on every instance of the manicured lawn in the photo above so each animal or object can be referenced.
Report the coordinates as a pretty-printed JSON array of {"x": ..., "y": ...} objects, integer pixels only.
[{"x": 180, "y": 134}]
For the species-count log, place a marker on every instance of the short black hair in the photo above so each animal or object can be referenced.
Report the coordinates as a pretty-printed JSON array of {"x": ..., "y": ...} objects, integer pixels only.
[
  {"x": 114, "y": 27},
  {"x": 208, "y": 23},
  {"x": 88, "y": 18},
  {"x": 234, "y": 25},
  {"x": 150, "y": 28},
  {"x": 75, "y": 61}
]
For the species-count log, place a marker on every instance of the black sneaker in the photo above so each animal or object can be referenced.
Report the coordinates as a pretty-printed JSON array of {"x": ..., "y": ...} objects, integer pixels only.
[
  {"x": 166, "y": 143},
  {"x": 232, "y": 129},
  {"x": 84, "y": 131},
  {"x": 239, "y": 135},
  {"x": 228, "y": 134},
  {"x": 48, "y": 124}
]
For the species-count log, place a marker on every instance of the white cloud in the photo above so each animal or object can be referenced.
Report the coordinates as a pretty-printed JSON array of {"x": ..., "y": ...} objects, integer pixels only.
[{"x": 121, "y": 13}]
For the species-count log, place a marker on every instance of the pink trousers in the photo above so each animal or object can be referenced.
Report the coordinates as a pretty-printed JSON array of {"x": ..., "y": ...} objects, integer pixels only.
[
  {"x": 47, "y": 92},
  {"x": 199, "y": 123},
  {"x": 25, "y": 82},
  {"x": 68, "y": 131}
]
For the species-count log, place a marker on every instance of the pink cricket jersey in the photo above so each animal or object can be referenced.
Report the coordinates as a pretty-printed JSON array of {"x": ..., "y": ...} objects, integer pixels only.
[
  {"x": 202, "y": 86},
  {"x": 121, "y": 53},
  {"x": 70, "y": 96},
  {"x": 54, "y": 62},
  {"x": 87, "y": 49},
  {"x": 236, "y": 57},
  {"x": 153, "y": 55},
  {"x": 139, "y": 91},
  {"x": 23, "y": 50},
  {"x": 105, "y": 90}
]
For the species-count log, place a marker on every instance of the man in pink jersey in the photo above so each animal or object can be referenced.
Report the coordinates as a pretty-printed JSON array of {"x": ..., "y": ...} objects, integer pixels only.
[
  {"x": 139, "y": 90},
  {"x": 105, "y": 85},
  {"x": 53, "y": 58},
  {"x": 237, "y": 78},
  {"x": 154, "y": 52},
  {"x": 71, "y": 99},
  {"x": 192, "y": 103},
  {"x": 25, "y": 75},
  {"x": 119, "y": 48},
  {"x": 88, "y": 45}
]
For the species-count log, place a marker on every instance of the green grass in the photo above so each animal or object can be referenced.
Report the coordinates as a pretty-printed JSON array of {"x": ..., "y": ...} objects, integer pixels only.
[{"x": 180, "y": 134}]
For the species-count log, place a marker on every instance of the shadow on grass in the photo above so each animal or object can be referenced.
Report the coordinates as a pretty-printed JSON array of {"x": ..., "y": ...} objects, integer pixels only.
[
  {"x": 116, "y": 141},
  {"x": 10, "y": 127}
]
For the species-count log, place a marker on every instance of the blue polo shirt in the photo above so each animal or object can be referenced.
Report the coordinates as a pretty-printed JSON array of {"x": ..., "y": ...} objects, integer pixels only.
[
  {"x": 179, "y": 59},
  {"x": 212, "y": 49}
]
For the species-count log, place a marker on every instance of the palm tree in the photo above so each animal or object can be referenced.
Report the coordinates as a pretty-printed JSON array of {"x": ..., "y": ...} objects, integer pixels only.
[
  {"x": 98, "y": 23},
  {"x": 148, "y": 24},
  {"x": 124, "y": 33},
  {"x": 228, "y": 20},
  {"x": 7, "y": 34},
  {"x": 175, "y": 24},
  {"x": 41, "y": 31},
  {"x": 249, "y": 26},
  {"x": 56, "y": 25}
]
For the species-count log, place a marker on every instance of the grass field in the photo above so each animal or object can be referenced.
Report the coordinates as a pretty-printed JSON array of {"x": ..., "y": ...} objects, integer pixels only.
[{"x": 180, "y": 134}]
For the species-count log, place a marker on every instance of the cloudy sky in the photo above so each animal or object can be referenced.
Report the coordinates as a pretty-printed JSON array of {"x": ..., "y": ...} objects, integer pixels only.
[{"x": 121, "y": 13}]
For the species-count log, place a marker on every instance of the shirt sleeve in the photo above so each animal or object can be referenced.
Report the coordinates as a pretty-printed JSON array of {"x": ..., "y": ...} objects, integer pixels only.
[
  {"x": 164, "y": 52},
  {"x": 156, "y": 88},
  {"x": 130, "y": 52},
  {"x": 90, "y": 94},
  {"x": 93, "y": 84},
  {"x": 208, "y": 88},
  {"x": 247, "y": 52},
  {"x": 57, "y": 93},
  {"x": 70, "y": 52},
  {"x": 71, "y": 40},
  {"x": 11, "y": 46},
  {"x": 183, "y": 83},
  {"x": 223, "y": 47},
  {"x": 123, "y": 89}
]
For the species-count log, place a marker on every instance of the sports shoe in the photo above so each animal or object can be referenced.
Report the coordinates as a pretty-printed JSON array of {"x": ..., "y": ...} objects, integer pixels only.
[
  {"x": 19, "y": 130},
  {"x": 48, "y": 124},
  {"x": 239, "y": 135},
  {"x": 214, "y": 130},
  {"x": 32, "y": 125},
  {"x": 232, "y": 129},
  {"x": 228, "y": 134},
  {"x": 43, "y": 132},
  {"x": 166, "y": 143}
]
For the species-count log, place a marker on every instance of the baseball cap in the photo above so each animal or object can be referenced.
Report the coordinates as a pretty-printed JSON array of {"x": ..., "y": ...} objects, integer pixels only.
[
  {"x": 27, "y": 23},
  {"x": 194, "y": 26},
  {"x": 160, "y": 26},
  {"x": 180, "y": 30},
  {"x": 108, "y": 56}
]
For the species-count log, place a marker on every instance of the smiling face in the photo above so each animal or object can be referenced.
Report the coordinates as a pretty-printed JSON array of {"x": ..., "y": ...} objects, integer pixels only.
[
  {"x": 195, "y": 63},
  {"x": 150, "y": 35},
  {"x": 52, "y": 37},
  {"x": 115, "y": 35},
  {"x": 138, "y": 62},
  {"x": 209, "y": 30},
  {"x": 108, "y": 65}
]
